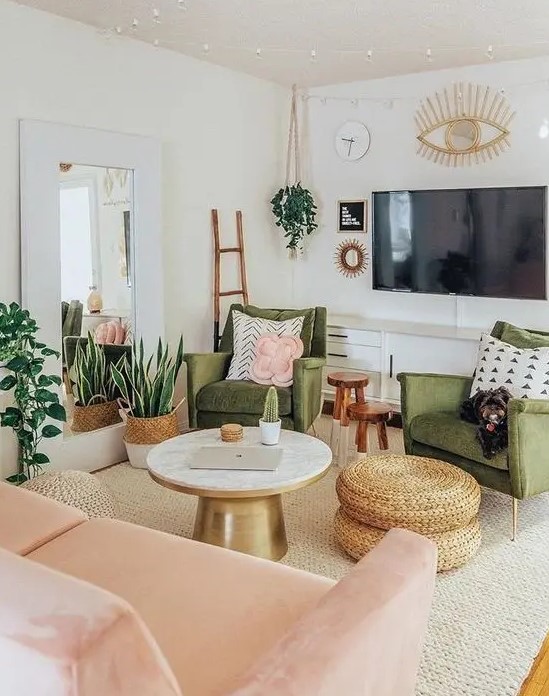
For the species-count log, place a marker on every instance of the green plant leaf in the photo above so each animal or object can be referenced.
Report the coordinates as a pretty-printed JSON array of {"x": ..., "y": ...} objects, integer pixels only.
[
  {"x": 18, "y": 363},
  {"x": 10, "y": 418},
  {"x": 49, "y": 431},
  {"x": 40, "y": 458},
  {"x": 57, "y": 412},
  {"x": 8, "y": 383},
  {"x": 45, "y": 396}
]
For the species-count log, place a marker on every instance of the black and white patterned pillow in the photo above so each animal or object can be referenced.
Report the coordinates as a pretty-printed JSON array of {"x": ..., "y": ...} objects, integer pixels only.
[
  {"x": 525, "y": 372},
  {"x": 246, "y": 332}
]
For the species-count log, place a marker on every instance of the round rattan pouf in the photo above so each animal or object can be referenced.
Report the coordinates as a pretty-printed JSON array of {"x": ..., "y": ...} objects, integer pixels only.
[
  {"x": 424, "y": 495},
  {"x": 77, "y": 488}
]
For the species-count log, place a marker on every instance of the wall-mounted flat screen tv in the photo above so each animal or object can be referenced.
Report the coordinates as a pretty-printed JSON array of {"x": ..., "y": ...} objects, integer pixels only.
[{"x": 487, "y": 242}]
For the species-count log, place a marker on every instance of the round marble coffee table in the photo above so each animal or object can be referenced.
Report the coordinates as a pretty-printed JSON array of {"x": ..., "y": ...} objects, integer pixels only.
[{"x": 240, "y": 510}]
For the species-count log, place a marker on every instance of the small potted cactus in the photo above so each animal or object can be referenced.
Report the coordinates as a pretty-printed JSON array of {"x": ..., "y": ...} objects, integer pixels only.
[{"x": 270, "y": 424}]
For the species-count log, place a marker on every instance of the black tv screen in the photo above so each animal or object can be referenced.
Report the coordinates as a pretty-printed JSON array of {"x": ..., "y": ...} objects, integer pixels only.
[{"x": 488, "y": 242}]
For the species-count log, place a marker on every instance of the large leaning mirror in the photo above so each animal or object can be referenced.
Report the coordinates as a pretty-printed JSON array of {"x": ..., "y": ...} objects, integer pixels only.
[
  {"x": 95, "y": 214},
  {"x": 91, "y": 249}
]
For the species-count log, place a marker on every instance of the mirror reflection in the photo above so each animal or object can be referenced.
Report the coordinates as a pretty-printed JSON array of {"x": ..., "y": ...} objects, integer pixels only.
[
  {"x": 96, "y": 212},
  {"x": 463, "y": 135}
]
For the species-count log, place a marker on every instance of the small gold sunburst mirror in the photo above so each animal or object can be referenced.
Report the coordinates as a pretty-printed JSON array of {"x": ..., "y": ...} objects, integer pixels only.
[
  {"x": 351, "y": 258},
  {"x": 465, "y": 125}
]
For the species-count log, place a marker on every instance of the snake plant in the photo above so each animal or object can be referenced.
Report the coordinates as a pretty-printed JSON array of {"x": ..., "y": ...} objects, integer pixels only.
[
  {"x": 92, "y": 378},
  {"x": 149, "y": 393}
]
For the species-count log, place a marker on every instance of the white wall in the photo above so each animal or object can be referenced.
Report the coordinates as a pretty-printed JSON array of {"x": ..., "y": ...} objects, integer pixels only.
[
  {"x": 222, "y": 135},
  {"x": 392, "y": 163}
]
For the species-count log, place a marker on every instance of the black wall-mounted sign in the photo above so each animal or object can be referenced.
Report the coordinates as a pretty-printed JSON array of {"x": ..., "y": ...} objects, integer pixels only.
[{"x": 351, "y": 216}]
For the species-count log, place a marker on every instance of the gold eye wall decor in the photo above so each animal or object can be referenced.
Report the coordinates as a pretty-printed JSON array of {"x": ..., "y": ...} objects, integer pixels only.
[
  {"x": 351, "y": 258},
  {"x": 463, "y": 125}
]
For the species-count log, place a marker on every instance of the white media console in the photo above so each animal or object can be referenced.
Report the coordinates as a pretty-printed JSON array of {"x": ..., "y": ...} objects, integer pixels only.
[{"x": 385, "y": 348}]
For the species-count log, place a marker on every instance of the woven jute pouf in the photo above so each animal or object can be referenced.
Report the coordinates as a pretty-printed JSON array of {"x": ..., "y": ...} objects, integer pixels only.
[
  {"x": 455, "y": 547},
  {"x": 77, "y": 488},
  {"x": 425, "y": 495}
]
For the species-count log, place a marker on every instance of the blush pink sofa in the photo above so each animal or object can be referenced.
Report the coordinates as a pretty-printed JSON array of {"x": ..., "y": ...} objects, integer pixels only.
[{"x": 107, "y": 608}]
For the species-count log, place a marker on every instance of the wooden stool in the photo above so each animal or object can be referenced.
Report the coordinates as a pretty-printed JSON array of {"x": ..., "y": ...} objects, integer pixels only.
[
  {"x": 345, "y": 383},
  {"x": 376, "y": 413}
]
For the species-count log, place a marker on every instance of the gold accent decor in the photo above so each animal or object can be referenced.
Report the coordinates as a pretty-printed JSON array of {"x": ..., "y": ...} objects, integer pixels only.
[
  {"x": 351, "y": 258},
  {"x": 474, "y": 124},
  {"x": 249, "y": 525}
]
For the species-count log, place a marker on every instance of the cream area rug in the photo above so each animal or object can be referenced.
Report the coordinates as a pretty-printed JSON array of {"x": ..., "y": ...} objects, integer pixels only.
[{"x": 489, "y": 618}]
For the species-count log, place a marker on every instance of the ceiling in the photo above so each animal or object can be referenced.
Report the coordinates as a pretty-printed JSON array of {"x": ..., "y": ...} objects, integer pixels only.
[{"x": 398, "y": 32}]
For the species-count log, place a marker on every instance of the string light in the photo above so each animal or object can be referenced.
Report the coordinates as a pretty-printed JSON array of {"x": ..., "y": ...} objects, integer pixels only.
[
  {"x": 206, "y": 48},
  {"x": 156, "y": 16},
  {"x": 313, "y": 55},
  {"x": 181, "y": 4},
  {"x": 258, "y": 52},
  {"x": 490, "y": 52},
  {"x": 429, "y": 55},
  {"x": 135, "y": 24},
  {"x": 369, "y": 55},
  {"x": 156, "y": 43},
  {"x": 118, "y": 30}
]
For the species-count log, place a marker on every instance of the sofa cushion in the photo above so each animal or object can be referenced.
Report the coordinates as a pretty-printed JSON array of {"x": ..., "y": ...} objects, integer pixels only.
[
  {"x": 213, "y": 612},
  {"x": 285, "y": 314},
  {"x": 60, "y": 636},
  {"x": 241, "y": 396},
  {"x": 447, "y": 432},
  {"x": 521, "y": 338},
  {"x": 28, "y": 520}
]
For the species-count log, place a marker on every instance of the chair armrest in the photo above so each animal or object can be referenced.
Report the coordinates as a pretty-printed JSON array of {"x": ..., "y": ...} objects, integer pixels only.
[
  {"x": 366, "y": 634},
  {"x": 307, "y": 391},
  {"x": 528, "y": 426},
  {"x": 429, "y": 393},
  {"x": 203, "y": 369}
]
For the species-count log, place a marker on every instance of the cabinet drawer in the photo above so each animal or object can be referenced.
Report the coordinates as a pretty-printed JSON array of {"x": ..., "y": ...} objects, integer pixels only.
[
  {"x": 337, "y": 334},
  {"x": 353, "y": 356},
  {"x": 372, "y": 390}
]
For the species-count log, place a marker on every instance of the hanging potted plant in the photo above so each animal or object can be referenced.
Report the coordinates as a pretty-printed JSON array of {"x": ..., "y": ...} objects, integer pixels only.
[
  {"x": 94, "y": 389},
  {"x": 270, "y": 424},
  {"x": 23, "y": 357},
  {"x": 293, "y": 205},
  {"x": 147, "y": 399}
]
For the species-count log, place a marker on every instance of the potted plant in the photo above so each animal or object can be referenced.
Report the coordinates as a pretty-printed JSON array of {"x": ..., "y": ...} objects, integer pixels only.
[
  {"x": 294, "y": 209},
  {"x": 94, "y": 389},
  {"x": 147, "y": 399},
  {"x": 270, "y": 424},
  {"x": 35, "y": 402}
]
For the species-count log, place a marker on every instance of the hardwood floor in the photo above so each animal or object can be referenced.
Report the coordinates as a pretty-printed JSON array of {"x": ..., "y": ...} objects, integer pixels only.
[{"x": 537, "y": 682}]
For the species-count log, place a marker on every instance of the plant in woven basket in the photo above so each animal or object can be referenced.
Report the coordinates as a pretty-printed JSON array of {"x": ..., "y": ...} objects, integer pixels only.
[
  {"x": 270, "y": 410},
  {"x": 35, "y": 402},
  {"x": 91, "y": 376},
  {"x": 148, "y": 393},
  {"x": 270, "y": 423}
]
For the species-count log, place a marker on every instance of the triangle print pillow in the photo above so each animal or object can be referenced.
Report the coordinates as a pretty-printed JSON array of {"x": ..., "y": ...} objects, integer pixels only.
[{"x": 525, "y": 372}]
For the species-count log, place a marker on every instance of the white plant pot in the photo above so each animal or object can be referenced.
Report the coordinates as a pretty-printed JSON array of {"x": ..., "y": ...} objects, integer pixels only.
[
  {"x": 270, "y": 432},
  {"x": 137, "y": 454}
]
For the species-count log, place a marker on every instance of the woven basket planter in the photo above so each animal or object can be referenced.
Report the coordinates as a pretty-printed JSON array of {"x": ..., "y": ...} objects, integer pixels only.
[
  {"x": 151, "y": 431},
  {"x": 455, "y": 547},
  {"x": 88, "y": 418}
]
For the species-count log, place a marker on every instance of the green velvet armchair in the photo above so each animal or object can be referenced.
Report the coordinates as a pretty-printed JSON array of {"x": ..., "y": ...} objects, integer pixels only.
[
  {"x": 432, "y": 428},
  {"x": 212, "y": 400}
]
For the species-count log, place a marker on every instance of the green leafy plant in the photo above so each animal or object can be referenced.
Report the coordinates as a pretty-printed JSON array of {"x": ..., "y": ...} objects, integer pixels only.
[
  {"x": 294, "y": 209},
  {"x": 270, "y": 411},
  {"x": 148, "y": 395},
  {"x": 34, "y": 401},
  {"x": 92, "y": 377}
]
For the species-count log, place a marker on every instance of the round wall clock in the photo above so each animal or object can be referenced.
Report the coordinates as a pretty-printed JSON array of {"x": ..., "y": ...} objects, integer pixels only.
[{"x": 352, "y": 141}]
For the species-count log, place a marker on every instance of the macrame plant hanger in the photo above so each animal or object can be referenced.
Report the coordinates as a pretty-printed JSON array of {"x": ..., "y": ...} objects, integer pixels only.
[{"x": 293, "y": 155}]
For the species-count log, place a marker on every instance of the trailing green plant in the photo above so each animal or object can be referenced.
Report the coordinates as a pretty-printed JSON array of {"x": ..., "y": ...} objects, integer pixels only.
[
  {"x": 149, "y": 393},
  {"x": 34, "y": 401},
  {"x": 270, "y": 410},
  {"x": 294, "y": 209},
  {"x": 91, "y": 375}
]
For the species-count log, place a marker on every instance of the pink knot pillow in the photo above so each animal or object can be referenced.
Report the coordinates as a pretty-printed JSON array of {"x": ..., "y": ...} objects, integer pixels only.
[
  {"x": 110, "y": 332},
  {"x": 274, "y": 357}
]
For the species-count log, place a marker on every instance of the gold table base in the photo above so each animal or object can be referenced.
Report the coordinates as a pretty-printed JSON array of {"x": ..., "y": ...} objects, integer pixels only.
[{"x": 249, "y": 525}]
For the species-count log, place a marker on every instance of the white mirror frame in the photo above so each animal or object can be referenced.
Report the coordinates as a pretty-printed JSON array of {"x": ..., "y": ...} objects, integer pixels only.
[{"x": 42, "y": 147}]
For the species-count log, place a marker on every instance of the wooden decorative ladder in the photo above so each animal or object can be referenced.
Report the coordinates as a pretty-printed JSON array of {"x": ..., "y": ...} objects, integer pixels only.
[{"x": 218, "y": 250}]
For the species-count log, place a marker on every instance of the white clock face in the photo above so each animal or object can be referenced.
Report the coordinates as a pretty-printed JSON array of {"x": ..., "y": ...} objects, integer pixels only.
[{"x": 352, "y": 141}]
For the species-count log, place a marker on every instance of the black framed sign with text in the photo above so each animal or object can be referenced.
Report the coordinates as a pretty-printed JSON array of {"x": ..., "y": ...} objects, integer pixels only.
[{"x": 351, "y": 216}]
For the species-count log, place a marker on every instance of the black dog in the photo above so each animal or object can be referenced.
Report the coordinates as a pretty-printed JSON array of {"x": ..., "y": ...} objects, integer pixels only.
[{"x": 488, "y": 410}]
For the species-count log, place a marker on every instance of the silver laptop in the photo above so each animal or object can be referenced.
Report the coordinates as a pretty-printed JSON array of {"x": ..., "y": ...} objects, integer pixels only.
[{"x": 248, "y": 458}]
